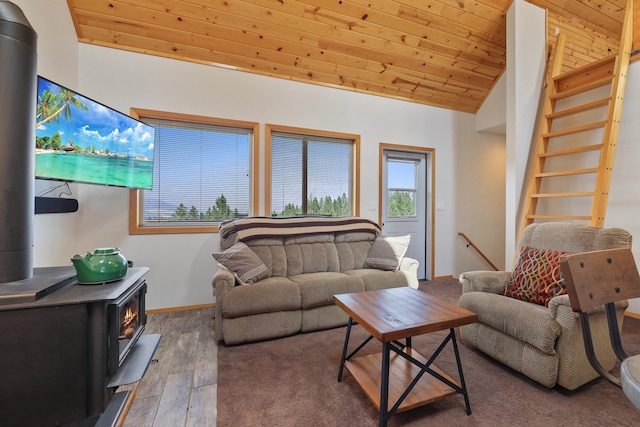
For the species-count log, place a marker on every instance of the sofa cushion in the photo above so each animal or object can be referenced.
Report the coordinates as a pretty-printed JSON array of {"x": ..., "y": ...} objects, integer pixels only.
[
  {"x": 311, "y": 258},
  {"x": 325, "y": 317},
  {"x": 273, "y": 256},
  {"x": 268, "y": 295},
  {"x": 519, "y": 355},
  {"x": 525, "y": 321},
  {"x": 243, "y": 262},
  {"x": 387, "y": 252},
  {"x": 353, "y": 248},
  {"x": 261, "y": 326},
  {"x": 537, "y": 276},
  {"x": 318, "y": 289},
  {"x": 377, "y": 279}
]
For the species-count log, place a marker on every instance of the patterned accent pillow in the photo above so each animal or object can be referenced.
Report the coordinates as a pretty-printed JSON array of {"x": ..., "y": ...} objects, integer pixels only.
[
  {"x": 243, "y": 262},
  {"x": 537, "y": 277}
]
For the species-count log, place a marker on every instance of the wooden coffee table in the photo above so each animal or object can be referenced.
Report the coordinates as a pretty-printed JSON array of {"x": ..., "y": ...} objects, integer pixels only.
[{"x": 390, "y": 315}]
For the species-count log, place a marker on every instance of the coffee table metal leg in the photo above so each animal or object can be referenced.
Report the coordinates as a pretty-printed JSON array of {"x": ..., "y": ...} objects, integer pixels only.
[
  {"x": 344, "y": 349},
  {"x": 463, "y": 386},
  {"x": 384, "y": 384}
]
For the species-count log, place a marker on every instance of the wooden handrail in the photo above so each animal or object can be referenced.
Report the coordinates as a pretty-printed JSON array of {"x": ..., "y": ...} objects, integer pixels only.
[{"x": 470, "y": 243}]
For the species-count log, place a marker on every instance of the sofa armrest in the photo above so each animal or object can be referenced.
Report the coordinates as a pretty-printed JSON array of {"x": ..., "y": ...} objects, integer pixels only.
[
  {"x": 484, "y": 281},
  {"x": 223, "y": 281},
  {"x": 556, "y": 303},
  {"x": 409, "y": 267}
]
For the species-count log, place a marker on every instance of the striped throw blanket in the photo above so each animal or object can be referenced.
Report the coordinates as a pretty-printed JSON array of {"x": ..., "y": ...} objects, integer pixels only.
[{"x": 239, "y": 230}]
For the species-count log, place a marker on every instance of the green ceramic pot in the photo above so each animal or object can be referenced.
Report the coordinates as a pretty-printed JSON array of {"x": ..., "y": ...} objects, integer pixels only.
[{"x": 100, "y": 266}]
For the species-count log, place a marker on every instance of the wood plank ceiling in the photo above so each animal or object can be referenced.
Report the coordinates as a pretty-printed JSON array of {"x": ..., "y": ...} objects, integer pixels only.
[{"x": 445, "y": 53}]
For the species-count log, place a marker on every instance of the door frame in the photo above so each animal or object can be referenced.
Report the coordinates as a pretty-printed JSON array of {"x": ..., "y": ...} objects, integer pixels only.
[{"x": 430, "y": 154}]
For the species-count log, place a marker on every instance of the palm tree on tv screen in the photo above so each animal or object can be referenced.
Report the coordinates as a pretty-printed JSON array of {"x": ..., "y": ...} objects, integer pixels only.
[
  {"x": 47, "y": 103},
  {"x": 51, "y": 105}
]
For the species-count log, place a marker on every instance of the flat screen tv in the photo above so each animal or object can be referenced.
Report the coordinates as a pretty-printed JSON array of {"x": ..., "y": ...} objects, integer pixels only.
[{"x": 81, "y": 140}]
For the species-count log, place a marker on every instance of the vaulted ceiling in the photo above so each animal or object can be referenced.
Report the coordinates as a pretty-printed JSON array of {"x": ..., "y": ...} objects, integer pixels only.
[{"x": 445, "y": 53}]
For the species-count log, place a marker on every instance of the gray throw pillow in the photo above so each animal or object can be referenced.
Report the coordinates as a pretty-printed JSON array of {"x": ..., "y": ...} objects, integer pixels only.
[
  {"x": 243, "y": 262},
  {"x": 387, "y": 252}
]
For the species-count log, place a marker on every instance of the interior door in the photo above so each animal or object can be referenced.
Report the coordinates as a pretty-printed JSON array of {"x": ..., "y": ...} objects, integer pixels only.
[{"x": 405, "y": 202}]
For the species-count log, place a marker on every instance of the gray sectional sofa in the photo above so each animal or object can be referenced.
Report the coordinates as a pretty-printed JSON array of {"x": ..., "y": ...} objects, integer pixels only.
[{"x": 277, "y": 276}]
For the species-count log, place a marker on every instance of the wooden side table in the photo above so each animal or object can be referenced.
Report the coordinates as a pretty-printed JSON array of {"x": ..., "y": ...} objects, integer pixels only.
[{"x": 390, "y": 315}]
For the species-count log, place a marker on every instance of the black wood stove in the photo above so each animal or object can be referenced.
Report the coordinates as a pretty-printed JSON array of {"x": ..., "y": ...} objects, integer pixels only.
[{"x": 65, "y": 348}]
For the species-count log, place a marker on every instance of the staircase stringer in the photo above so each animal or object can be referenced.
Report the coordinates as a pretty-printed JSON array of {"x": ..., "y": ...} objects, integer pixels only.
[{"x": 614, "y": 114}]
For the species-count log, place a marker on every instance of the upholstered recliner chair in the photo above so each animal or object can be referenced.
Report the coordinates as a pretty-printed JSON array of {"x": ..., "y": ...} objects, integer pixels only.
[{"x": 524, "y": 317}]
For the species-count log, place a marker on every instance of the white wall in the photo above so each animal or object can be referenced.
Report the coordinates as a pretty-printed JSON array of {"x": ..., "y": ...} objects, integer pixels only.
[
  {"x": 492, "y": 115},
  {"x": 479, "y": 189},
  {"x": 181, "y": 265},
  {"x": 526, "y": 57},
  {"x": 623, "y": 209}
]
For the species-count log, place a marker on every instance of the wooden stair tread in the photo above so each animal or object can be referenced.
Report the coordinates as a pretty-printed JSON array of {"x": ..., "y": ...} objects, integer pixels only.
[
  {"x": 561, "y": 217},
  {"x": 571, "y": 151},
  {"x": 580, "y": 108},
  {"x": 566, "y": 172},
  {"x": 582, "y": 88},
  {"x": 586, "y": 68},
  {"x": 577, "y": 129},
  {"x": 564, "y": 194}
]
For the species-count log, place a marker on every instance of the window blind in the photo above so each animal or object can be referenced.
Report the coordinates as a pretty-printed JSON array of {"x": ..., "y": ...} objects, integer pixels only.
[
  {"x": 310, "y": 175},
  {"x": 201, "y": 173}
]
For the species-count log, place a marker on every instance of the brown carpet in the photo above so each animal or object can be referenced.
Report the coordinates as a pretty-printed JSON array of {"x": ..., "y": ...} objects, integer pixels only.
[{"x": 293, "y": 382}]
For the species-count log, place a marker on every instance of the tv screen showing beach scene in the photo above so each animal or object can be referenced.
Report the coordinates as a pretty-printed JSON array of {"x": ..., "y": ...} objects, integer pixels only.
[{"x": 81, "y": 140}]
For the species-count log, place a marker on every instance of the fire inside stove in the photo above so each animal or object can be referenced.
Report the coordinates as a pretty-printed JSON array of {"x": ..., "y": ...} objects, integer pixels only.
[
  {"x": 130, "y": 318},
  {"x": 127, "y": 318}
]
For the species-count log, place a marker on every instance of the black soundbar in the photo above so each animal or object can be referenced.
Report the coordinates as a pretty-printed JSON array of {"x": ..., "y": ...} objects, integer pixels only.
[{"x": 46, "y": 205}]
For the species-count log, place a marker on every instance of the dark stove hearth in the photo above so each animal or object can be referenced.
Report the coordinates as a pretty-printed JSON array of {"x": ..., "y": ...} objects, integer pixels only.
[{"x": 66, "y": 351}]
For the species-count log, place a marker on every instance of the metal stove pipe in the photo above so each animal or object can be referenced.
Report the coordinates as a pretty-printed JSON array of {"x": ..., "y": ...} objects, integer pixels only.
[{"x": 18, "y": 80}]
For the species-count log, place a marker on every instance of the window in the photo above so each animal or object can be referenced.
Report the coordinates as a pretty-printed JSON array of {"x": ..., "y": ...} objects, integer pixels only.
[
  {"x": 311, "y": 172},
  {"x": 202, "y": 175},
  {"x": 401, "y": 186}
]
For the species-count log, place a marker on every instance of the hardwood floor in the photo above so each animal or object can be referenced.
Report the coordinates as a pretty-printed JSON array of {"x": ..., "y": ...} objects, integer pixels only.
[{"x": 180, "y": 388}]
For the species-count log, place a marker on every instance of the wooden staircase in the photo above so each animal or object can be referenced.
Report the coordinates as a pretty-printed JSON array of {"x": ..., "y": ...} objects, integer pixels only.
[{"x": 571, "y": 168}]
